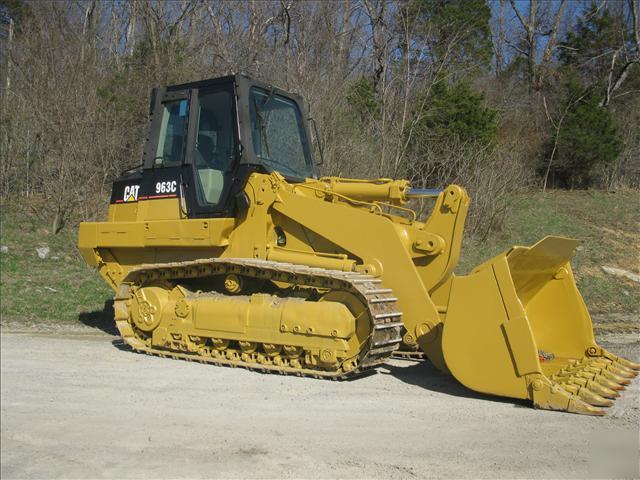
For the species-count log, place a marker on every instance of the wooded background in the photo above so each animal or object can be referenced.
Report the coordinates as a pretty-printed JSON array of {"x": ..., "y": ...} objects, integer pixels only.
[{"x": 494, "y": 95}]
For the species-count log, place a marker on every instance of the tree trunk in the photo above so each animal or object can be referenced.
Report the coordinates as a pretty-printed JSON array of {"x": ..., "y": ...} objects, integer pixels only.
[{"x": 129, "y": 42}]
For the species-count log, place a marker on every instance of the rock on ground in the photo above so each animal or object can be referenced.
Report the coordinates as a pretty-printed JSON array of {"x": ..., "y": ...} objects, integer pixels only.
[{"x": 619, "y": 272}]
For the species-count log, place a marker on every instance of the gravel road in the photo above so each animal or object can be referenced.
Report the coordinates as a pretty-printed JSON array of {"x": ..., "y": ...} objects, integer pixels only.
[{"x": 78, "y": 404}]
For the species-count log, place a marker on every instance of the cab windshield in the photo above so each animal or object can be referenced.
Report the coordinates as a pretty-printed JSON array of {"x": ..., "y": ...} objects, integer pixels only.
[{"x": 279, "y": 137}]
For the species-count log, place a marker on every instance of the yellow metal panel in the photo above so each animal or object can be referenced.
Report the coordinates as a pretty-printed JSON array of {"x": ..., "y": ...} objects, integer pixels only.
[
  {"x": 159, "y": 209},
  {"x": 120, "y": 234},
  {"x": 203, "y": 233},
  {"x": 123, "y": 212},
  {"x": 475, "y": 346},
  {"x": 559, "y": 318},
  {"x": 348, "y": 226},
  {"x": 88, "y": 241},
  {"x": 531, "y": 268},
  {"x": 220, "y": 314},
  {"x": 188, "y": 232},
  {"x": 517, "y": 329}
]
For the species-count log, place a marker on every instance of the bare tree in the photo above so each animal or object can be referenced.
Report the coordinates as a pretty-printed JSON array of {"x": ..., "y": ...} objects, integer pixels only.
[
  {"x": 102, "y": 57},
  {"x": 627, "y": 54},
  {"x": 535, "y": 25}
]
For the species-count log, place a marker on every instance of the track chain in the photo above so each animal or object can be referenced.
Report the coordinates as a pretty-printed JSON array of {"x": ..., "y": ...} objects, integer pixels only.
[
  {"x": 409, "y": 355},
  {"x": 384, "y": 338}
]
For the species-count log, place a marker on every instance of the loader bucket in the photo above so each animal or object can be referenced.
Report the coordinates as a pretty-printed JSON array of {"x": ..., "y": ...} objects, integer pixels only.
[{"x": 518, "y": 327}]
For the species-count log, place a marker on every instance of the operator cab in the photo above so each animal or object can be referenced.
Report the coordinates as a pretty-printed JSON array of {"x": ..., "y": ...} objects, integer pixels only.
[{"x": 206, "y": 137}]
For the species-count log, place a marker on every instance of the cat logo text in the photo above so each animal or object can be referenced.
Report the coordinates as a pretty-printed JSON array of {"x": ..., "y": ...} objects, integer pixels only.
[{"x": 131, "y": 193}]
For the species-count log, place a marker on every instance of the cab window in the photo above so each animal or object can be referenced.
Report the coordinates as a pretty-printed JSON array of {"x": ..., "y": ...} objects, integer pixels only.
[
  {"x": 173, "y": 130},
  {"x": 278, "y": 134},
  {"x": 214, "y": 150}
]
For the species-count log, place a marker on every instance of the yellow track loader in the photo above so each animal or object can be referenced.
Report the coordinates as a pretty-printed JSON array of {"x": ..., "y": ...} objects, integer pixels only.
[{"x": 225, "y": 248}]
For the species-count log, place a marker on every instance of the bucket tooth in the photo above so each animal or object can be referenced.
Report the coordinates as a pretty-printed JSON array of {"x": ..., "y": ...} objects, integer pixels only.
[
  {"x": 582, "y": 382},
  {"x": 578, "y": 406},
  {"x": 574, "y": 389},
  {"x": 565, "y": 377},
  {"x": 608, "y": 383},
  {"x": 608, "y": 374},
  {"x": 594, "y": 399},
  {"x": 588, "y": 396},
  {"x": 547, "y": 393},
  {"x": 615, "y": 378},
  {"x": 590, "y": 376},
  {"x": 602, "y": 361},
  {"x": 601, "y": 389},
  {"x": 591, "y": 385},
  {"x": 615, "y": 366},
  {"x": 616, "y": 369},
  {"x": 621, "y": 363},
  {"x": 622, "y": 371},
  {"x": 582, "y": 374},
  {"x": 629, "y": 364}
]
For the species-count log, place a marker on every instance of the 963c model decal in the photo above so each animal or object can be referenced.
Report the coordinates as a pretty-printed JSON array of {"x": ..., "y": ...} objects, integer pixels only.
[
  {"x": 167, "y": 187},
  {"x": 163, "y": 190}
]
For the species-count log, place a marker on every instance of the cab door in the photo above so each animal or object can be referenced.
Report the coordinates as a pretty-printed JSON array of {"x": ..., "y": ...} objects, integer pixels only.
[
  {"x": 210, "y": 176},
  {"x": 192, "y": 153},
  {"x": 165, "y": 153}
]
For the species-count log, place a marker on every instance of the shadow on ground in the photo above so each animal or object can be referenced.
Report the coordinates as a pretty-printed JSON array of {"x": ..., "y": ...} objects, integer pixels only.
[
  {"x": 101, "y": 319},
  {"x": 421, "y": 373},
  {"x": 425, "y": 375}
]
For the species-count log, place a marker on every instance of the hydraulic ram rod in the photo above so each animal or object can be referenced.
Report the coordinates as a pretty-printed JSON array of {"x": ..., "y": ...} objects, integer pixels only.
[{"x": 423, "y": 192}]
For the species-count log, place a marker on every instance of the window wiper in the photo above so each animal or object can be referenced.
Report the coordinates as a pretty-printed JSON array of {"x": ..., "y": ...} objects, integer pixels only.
[
  {"x": 269, "y": 97},
  {"x": 264, "y": 105},
  {"x": 262, "y": 126}
]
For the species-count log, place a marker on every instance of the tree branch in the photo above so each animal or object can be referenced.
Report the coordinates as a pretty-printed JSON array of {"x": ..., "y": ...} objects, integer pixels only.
[
  {"x": 515, "y": 9},
  {"x": 620, "y": 78}
]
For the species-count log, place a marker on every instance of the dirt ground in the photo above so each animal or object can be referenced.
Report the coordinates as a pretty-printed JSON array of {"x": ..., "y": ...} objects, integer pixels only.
[{"x": 78, "y": 404}]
